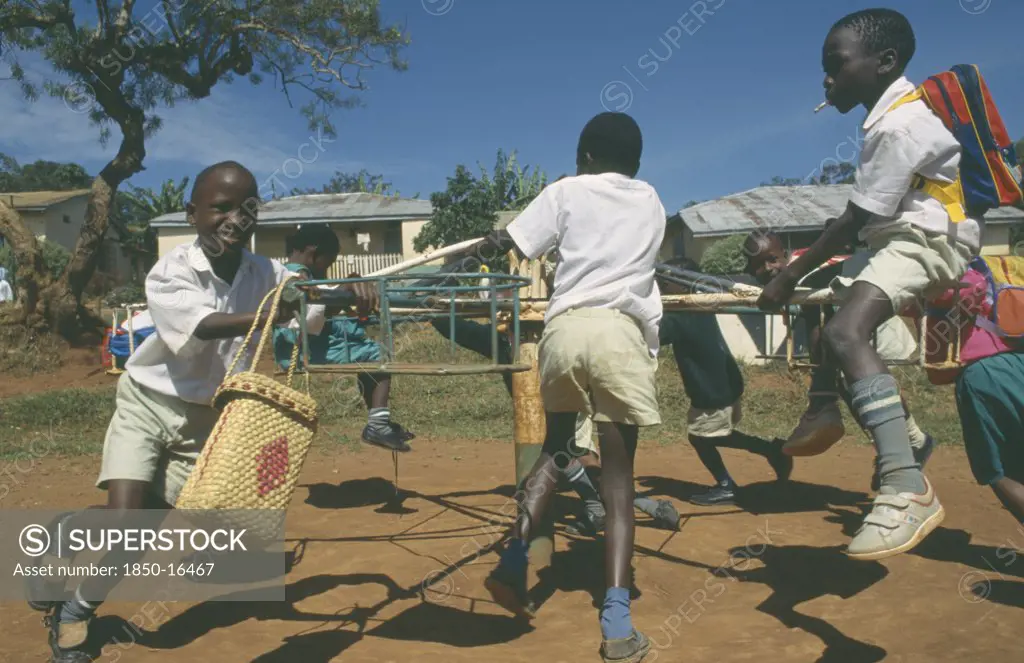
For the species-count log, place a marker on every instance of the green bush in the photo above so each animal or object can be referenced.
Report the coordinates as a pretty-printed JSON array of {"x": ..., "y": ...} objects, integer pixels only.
[
  {"x": 7, "y": 262},
  {"x": 55, "y": 257},
  {"x": 724, "y": 256},
  {"x": 131, "y": 293}
]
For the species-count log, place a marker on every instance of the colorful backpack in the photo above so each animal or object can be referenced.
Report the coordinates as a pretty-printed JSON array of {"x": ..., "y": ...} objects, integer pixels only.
[
  {"x": 986, "y": 317},
  {"x": 1004, "y": 298},
  {"x": 990, "y": 176}
]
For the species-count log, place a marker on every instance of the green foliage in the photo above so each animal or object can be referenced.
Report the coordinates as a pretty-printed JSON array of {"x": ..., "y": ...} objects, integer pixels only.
[
  {"x": 55, "y": 257},
  {"x": 362, "y": 182},
  {"x": 833, "y": 173},
  {"x": 468, "y": 207},
  {"x": 724, "y": 256},
  {"x": 141, "y": 205},
  {"x": 41, "y": 176},
  {"x": 7, "y": 262},
  {"x": 119, "y": 62},
  {"x": 132, "y": 293}
]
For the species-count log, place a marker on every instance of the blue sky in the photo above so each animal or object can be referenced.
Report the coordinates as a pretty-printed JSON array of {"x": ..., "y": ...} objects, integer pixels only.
[{"x": 727, "y": 104}]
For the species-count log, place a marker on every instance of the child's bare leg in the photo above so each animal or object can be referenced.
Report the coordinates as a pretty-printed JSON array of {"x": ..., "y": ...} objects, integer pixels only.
[
  {"x": 539, "y": 485},
  {"x": 1011, "y": 494},
  {"x": 71, "y": 617},
  {"x": 507, "y": 583},
  {"x": 875, "y": 393},
  {"x": 376, "y": 388},
  {"x": 825, "y": 376},
  {"x": 380, "y": 430},
  {"x": 618, "y": 448}
]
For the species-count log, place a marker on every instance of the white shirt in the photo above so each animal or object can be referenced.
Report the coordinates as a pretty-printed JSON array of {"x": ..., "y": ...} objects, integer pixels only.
[
  {"x": 182, "y": 289},
  {"x": 897, "y": 145},
  {"x": 607, "y": 230},
  {"x": 6, "y": 294}
]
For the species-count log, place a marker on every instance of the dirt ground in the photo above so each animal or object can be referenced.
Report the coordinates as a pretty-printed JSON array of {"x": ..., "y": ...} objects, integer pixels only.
[{"x": 787, "y": 593}]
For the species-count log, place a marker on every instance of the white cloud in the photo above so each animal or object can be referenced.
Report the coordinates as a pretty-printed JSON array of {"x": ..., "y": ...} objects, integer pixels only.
[{"x": 227, "y": 125}]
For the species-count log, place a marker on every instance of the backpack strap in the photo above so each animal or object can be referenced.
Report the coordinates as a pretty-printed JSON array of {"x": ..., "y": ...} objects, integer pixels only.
[{"x": 949, "y": 194}]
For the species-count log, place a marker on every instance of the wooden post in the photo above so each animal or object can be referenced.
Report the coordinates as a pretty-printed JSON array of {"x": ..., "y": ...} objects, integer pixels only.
[{"x": 529, "y": 431}]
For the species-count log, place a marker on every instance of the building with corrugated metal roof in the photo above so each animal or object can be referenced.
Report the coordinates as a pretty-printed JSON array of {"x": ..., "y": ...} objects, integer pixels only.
[
  {"x": 374, "y": 231},
  {"x": 798, "y": 215},
  {"x": 58, "y": 217}
]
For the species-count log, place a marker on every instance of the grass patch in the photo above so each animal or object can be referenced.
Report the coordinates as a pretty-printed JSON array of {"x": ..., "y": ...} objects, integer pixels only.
[
  {"x": 466, "y": 407},
  {"x": 24, "y": 352}
]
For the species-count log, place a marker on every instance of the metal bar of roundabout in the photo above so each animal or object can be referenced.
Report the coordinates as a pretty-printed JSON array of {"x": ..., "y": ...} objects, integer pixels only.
[{"x": 514, "y": 305}]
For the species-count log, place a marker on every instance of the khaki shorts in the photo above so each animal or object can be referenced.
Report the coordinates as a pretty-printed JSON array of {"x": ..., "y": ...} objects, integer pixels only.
[
  {"x": 714, "y": 423},
  {"x": 910, "y": 265},
  {"x": 585, "y": 434},
  {"x": 154, "y": 438},
  {"x": 596, "y": 362}
]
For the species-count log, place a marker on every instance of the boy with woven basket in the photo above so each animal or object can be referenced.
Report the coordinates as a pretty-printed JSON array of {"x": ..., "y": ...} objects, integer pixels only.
[{"x": 202, "y": 297}]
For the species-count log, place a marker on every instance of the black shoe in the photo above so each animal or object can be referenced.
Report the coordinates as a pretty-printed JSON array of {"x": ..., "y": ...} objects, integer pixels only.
[
  {"x": 407, "y": 435},
  {"x": 66, "y": 649},
  {"x": 390, "y": 438},
  {"x": 921, "y": 457},
  {"x": 781, "y": 463},
  {"x": 716, "y": 496},
  {"x": 627, "y": 650}
]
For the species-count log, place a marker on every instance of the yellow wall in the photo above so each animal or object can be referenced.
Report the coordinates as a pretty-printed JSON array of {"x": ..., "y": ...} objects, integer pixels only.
[
  {"x": 168, "y": 238},
  {"x": 409, "y": 231}
]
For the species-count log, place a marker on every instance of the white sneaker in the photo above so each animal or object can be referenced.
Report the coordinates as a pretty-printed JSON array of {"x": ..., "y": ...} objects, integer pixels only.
[
  {"x": 897, "y": 523},
  {"x": 816, "y": 432}
]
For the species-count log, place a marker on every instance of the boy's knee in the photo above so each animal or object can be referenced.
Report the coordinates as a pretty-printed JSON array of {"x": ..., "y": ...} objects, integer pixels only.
[{"x": 839, "y": 338}]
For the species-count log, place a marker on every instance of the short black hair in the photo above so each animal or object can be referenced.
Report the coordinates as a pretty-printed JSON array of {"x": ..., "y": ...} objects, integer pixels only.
[
  {"x": 316, "y": 235},
  {"x": 880, "y": 29},
  {"x": 210, "y": 170},
  {"x": 752, "y": 244},
  {"x": 614, "y": 140}
]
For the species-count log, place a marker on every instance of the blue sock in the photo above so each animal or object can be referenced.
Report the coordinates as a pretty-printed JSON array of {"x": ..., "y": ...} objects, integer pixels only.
[
  {"x": 515, "y": 556},
  {"x": 615, "y": 621}
]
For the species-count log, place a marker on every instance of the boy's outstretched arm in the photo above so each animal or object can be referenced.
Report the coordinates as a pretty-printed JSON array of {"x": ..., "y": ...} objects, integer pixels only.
[{"x": 833, "y": 240}]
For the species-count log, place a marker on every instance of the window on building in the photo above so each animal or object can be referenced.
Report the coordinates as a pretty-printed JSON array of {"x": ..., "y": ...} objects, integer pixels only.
[{"x": 393, "y": 238}]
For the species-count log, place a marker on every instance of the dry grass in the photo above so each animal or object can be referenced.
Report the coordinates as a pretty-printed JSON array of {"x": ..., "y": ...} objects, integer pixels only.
[{"x": 467, "y": 407}]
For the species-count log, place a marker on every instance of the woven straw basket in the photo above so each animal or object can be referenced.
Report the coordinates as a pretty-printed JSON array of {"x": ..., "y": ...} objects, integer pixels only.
[{"x": 253, "y": 457}]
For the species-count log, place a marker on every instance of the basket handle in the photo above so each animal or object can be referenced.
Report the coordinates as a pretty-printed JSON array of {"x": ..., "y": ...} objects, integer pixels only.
[{"x": 275, "y": 298}]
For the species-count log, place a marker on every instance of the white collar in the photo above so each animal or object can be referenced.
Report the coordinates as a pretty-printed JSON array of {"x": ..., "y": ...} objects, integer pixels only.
[
  {"x": 199, "y": 261},
  {"x": 899, "y": 88}
]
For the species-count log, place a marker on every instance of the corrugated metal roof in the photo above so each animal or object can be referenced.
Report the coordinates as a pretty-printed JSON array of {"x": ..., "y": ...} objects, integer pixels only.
[
  {"x": 786, "y": 208},
  {"x": 328, "y": 207},
  {"x": 40, "y": 200}
]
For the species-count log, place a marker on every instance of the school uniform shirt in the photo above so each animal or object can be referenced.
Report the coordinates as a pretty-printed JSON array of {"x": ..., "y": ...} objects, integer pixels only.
[
  {"x": 182, "y": 290},
  {"x": 899, "y": 144},
  {"x": 608, "y": 230}
]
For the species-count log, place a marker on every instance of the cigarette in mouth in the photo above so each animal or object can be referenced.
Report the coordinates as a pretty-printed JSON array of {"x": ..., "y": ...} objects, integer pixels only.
[{"x": 820, "y": 106}]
